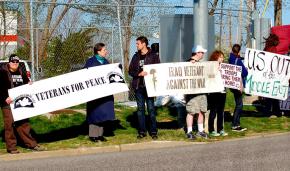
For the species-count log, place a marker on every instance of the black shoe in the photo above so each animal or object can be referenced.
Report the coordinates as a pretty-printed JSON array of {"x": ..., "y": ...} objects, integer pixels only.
[
  {"x": 141, "y": 135},
  {"x": 94, "y": 139},
  {"x": 154, "y": 136},
  {"x": 101, "y": 138},
  {"x": 190, "y": 136},
  {"x": 238, "y": 129}
]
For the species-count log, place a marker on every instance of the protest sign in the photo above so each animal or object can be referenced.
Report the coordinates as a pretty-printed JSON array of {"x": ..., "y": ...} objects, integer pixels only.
[
  {"x": 183, "y": 78},
  {"x": 285, "y": 105},
  {"x": 66, "y": 90},
  {"x": 231, "y": 75},
  {"x": 268, "y": 74}
]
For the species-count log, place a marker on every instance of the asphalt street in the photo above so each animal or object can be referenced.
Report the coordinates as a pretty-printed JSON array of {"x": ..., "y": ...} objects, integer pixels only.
[{"x": 260, "y": 153}]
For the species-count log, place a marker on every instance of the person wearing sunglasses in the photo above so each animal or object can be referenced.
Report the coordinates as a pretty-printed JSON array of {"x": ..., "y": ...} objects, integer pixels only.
[{"x": 12, "y": 76}]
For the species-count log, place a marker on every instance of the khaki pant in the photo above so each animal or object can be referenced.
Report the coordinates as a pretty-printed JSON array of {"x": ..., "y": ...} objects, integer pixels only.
[{"x": 22, "y": 128}]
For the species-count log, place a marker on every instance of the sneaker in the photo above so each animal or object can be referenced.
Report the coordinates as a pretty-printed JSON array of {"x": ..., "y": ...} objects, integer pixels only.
[
  {"x": 190, "y": 136},
  {"x": 141, "y": 135},
  {"x": 214, "y": 134},
  {"x": 202, "y": 135},
  {"x": 38, "y": 148},
  {"x": 238, "y": 129},
  {"x": 13, "y": 151},
  {"x": 223, "y": 133}
]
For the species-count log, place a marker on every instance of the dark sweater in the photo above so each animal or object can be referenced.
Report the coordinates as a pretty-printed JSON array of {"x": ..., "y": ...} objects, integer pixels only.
[
  {"x": 7, "y": 83},
  {"x": 134, "y": 68}
]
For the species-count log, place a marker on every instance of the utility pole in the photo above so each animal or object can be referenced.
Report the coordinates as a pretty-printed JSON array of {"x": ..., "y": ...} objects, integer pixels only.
[
  {"x": 32, "y": 42},
  {"x": 239, "y": 31},
  {"x": 221, "y": 25},
  {"x": 200, "y": 26}
]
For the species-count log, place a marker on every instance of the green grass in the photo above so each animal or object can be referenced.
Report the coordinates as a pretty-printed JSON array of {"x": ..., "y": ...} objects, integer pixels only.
[{"x": 63, "y": 131}]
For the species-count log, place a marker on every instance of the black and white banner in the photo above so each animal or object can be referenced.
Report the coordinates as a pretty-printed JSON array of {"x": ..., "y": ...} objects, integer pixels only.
[
  {"x": 66, "y": 90},
  {"x": 183, "y": 78}
]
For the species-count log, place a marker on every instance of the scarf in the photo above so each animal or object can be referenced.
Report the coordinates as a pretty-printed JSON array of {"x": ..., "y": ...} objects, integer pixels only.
[{"x": 100, "y": 59}]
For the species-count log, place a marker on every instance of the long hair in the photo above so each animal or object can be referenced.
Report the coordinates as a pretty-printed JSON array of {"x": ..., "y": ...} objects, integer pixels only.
[
  {"x": 236, "y": 49},
  {"x": 271, "y": 41},
  {"x": 215, "y": 55}
]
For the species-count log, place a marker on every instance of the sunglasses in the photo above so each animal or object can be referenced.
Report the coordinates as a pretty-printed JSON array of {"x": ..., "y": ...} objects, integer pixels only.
[{"x": 15, "y": 62}]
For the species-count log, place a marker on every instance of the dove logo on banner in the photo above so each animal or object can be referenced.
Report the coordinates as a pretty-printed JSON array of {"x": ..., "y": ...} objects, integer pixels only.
[
  {"x": 23, "y": 101},
  {"x": 115, "y": 77}
]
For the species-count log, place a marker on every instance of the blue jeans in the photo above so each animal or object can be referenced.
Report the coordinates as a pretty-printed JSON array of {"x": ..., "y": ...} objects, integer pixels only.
[
  {"x": 239, "y": 107},
  {"x": 141, "y": 98}
]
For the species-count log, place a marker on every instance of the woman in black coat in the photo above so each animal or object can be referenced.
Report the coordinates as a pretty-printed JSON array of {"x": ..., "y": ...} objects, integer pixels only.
[{"x": 102, "y": 109}]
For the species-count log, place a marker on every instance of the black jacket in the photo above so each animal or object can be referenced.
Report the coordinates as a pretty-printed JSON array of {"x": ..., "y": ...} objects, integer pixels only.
[
  {"x": 134, "y": 68},
  {"x": 6, "y": 83}
]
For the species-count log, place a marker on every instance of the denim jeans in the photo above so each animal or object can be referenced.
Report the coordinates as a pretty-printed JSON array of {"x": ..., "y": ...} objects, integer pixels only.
[
  {"x": 239, "y": 107},
  {"x": 141, "y": 98}
]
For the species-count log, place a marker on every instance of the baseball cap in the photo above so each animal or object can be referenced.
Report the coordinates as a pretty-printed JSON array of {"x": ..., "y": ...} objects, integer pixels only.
[
  {"x": 13, "y": 57},
  {"x": 198, "y": 48}
]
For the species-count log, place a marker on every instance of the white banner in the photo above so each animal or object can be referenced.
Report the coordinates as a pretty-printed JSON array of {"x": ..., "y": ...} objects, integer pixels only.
[
  {"x": 66, "y": 90},
  {"x": 231, "y": 75},
  {"x": 285, "y": 105},
  {"x": 183, "y": 78},
  {"x": 268, "y": 74}
]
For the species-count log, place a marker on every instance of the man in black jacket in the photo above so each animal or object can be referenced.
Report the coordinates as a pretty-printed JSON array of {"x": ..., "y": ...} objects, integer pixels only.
[
  {"x": 11, "y": 76},
  {"x": 143, "y": 57}
]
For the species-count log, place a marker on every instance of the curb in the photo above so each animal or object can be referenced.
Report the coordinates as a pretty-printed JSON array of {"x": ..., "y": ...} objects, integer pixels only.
[
  {"x": 96, "y": 150},
  {"x": 119, "y": 148}
]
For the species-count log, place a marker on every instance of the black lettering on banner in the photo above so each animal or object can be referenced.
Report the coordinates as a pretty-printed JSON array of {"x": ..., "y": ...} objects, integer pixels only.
[
  {"x": 256, "y": 62},
  {"x": 260, "y": 56},
  {"x": 177, "y": 84},
  {"x": 250, "y": 65},
  {"x": 175, "y": 71},
  {"x": 193, "y": 70},
  {"x": 69, "y": 89},
  {"x": 279, "y": 64}
]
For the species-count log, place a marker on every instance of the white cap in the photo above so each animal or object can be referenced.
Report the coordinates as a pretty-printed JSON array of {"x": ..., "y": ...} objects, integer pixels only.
[{"x": 198, "y": 48}]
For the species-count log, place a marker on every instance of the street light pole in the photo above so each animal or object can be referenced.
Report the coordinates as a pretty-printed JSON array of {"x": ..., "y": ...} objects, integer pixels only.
[
  {"x": 120, "y": 33},
  {"x": 32, "y": 42}
]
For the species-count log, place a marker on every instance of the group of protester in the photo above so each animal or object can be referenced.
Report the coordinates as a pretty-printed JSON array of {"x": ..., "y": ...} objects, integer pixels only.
[
  {"x": 195, "y": 104},
  {"x": 102, "y": 109}
]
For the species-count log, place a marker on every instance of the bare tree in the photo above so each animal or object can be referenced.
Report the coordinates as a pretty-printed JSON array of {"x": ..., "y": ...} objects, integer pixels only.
[
  {"x": 128, "y": 15},
  {"x": 214, "y": 5},
  {"x": 278, "y": 12},
  {"x": 230, "y": 28},
  {"x": 239, "y": 35},
  {"x": 3, "y": 23},
  {"x": 221, "y": 24},
  {"x": 50, "y": 25},
  {"x": 250, "y": 6}
]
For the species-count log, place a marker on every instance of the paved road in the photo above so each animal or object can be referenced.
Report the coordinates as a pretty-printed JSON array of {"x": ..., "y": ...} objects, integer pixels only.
[{"x": 263, "y": 153}]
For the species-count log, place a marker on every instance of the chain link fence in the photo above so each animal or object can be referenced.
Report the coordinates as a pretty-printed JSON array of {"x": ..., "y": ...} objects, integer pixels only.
[{"x": 64, "y": 33}]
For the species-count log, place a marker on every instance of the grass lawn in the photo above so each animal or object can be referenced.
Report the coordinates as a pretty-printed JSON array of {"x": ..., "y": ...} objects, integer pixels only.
[{"x": 69, "y": 130}]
